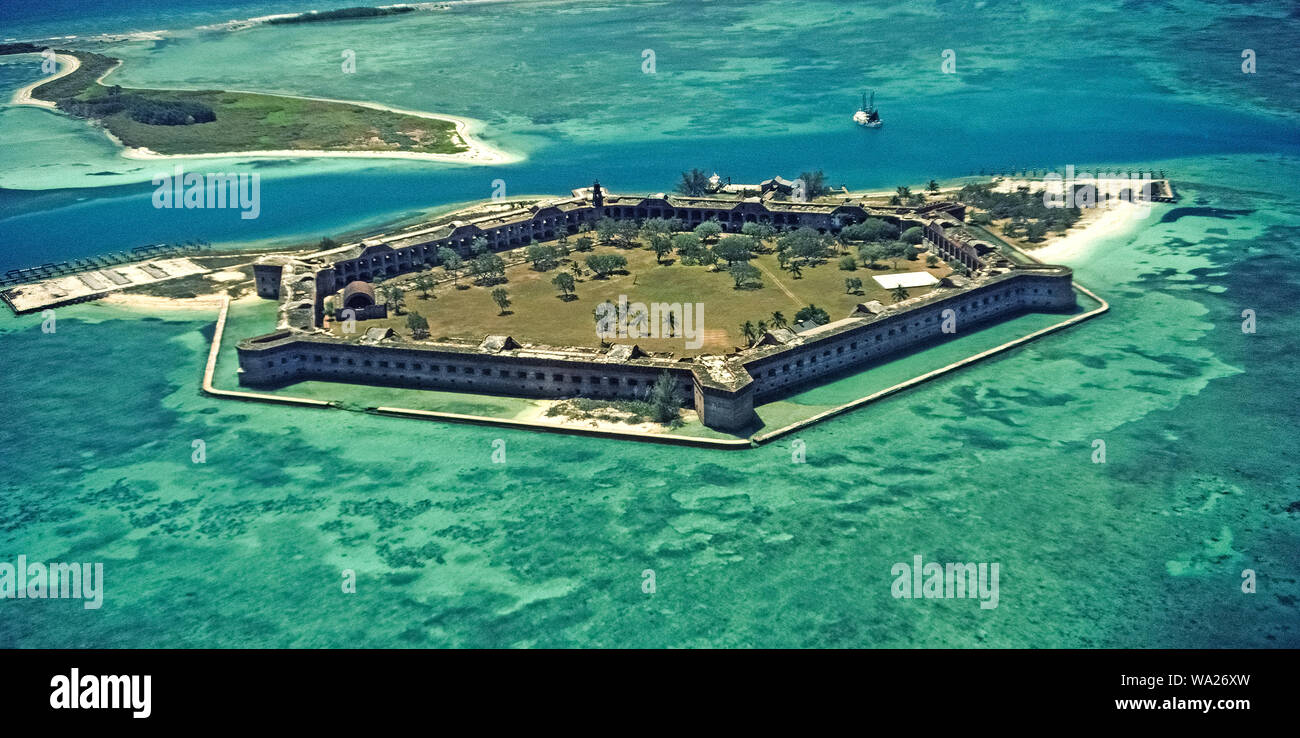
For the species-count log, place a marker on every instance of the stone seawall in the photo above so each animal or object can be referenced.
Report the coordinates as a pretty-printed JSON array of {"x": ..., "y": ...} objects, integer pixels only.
[
  {"x": 854, "y": 342},
  {"x": 723, "y": 389}
]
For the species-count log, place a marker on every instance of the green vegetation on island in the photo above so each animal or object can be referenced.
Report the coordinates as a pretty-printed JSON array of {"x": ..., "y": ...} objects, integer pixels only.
[
  {"x": 215, "y": 121},
  {"x": 1020, "y": 213},
  {"x": 316, "y": 16},
  {"x": 544, "y": 292}
]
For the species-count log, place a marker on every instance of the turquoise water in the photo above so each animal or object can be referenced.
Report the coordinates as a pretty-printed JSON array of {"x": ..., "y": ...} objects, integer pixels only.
[
  {"x": 992, "y": 463},
  {"x": 750, "y": 90}
]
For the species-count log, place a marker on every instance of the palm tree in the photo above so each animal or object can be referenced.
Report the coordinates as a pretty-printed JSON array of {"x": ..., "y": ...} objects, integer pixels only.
[
  {"x": 932, "y": 186},
  {"x": 899, "y": 294},
  {"x": 761, "y": 329},
  {"x": 796, "y": 271},
  {"x": 778, "y": 320},
  {"x": 747, "y": 328}
]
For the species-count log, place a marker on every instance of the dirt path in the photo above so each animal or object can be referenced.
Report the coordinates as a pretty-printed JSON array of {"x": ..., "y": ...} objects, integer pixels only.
[{"x": 779, "y": 284}]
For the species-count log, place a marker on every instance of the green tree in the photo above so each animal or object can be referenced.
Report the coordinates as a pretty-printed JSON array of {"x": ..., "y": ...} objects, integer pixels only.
[
  {"x": 602, "y": 265},
  {"x": 626, "y": 233},
  {"x": 488, "y": 268},
  {"x": 805, "y": 244},
  {"x": 607, "y": 230},
  {"x": 394, "y": 297},
  {"x": 778, "y": 320},
  {"x": 813, "y": 313},
  {"x": 871, "y": 254},
  {"x": 871, "y": 229},
  {"x": 418, "y": 326},
  {"x": 425, "y": 284},
  {"x": 814, "y": 184},
  {"x": 733, "y": 249},
  {"x": 662, "y": 245},
  {"x": 544, "y": 258},
  {"x": 899, "y": 293},
  {"x": 760, "y": 232},
  {"x": 652, "y": 226},
  {"x": 689, "y": 247},
  {"x": 913, "y": 235},
  {"x": 451, "y": 262},
  {"x": 853, "y": 285},
  {"x": 796, "y": 271},
  {"x": 584, "y": 243},
  {"x": 750, "y": 333},
  {"x": 707, "y": 230},
  {"x": 743, "y": 273},
  {"x": 501, "y": 298},
  {"x": 478, "y": 246},
  {"x": 848, "y": 263},
  {"x": 931, "y": 260},
  {"x": 901, "y": 250},
  {"x": 565, "y": 284},
  {"x": 932, "y": 186}
]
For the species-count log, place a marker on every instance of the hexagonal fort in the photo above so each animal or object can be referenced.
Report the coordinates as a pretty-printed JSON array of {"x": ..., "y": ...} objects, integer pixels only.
[{"x": 321, "y": 293}]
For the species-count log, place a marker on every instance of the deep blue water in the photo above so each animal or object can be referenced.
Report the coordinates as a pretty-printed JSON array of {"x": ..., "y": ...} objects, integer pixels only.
[
  {"x": 747, "y": 103},
  {"x": 316, "y": 205}
]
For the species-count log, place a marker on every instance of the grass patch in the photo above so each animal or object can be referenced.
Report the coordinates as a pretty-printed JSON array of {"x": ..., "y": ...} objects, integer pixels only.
[{"x": 539, "y": 315}]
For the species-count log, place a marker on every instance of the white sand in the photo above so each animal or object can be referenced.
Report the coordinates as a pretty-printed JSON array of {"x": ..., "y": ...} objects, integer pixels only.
[
  {"x": 156, "y": 303},
  {"x": 1106, "y": 223},
  {"x": 537, "y": 414},
  {"x": 23, "y": 96}
]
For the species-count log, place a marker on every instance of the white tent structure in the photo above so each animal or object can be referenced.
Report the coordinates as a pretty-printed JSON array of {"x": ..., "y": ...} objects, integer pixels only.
[{"x": 907, "y": 279}]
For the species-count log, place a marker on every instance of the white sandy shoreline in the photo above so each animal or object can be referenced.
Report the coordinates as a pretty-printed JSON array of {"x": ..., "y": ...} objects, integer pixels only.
[
  {"x": 477, "y": 152},
  {"x": 1078, "y": 241},
  {"x": 23, "y": 96}
]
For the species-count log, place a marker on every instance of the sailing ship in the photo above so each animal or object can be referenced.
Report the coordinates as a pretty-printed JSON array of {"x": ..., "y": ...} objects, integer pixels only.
[{"x": 867, "y": 116}]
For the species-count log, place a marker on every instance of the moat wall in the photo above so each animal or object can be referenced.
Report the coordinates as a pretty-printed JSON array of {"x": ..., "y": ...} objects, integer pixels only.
[
  {"x": 288, "y": 356},
  {"x": 851, "y": 343}
]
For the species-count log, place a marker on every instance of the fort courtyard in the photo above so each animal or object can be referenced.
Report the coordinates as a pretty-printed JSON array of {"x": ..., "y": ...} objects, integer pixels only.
[{"x": 539, "y": 313}]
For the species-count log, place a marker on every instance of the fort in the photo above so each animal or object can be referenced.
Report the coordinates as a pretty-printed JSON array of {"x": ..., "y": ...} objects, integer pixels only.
[{"x": 722, "y": 388}]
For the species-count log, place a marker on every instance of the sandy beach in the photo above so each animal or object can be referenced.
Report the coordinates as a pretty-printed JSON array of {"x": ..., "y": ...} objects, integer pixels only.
[
  {"x": 477, "y": 152},
  {"x": 1076, "y": 242},
  {"x": 67, "y": 65},
  {"x": 538, "y": 415}
]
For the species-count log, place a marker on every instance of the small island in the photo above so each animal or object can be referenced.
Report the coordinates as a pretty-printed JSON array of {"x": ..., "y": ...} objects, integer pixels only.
[{"x": 153, "y": 123}]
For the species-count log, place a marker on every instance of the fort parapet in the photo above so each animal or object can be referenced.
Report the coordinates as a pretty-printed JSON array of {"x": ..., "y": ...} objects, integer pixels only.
[{"x": 722, "y": 389}]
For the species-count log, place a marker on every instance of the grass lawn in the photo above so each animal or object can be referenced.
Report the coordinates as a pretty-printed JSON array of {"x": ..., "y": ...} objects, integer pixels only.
[
  {"x": 254, "y": 122},
  {"x": 538, "y": 315}
]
